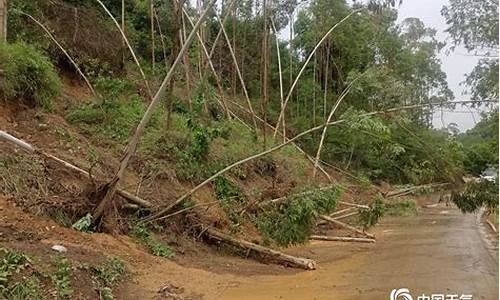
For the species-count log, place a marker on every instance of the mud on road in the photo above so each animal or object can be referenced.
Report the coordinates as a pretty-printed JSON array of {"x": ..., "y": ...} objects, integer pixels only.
[{"x": 440, "y": 251}]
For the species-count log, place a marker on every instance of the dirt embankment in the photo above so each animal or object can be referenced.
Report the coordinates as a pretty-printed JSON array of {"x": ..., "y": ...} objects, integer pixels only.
[{"x": 44, "y": 195}]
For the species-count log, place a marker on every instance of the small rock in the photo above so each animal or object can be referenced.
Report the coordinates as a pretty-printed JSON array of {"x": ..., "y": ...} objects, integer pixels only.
[{"x": 59, "y": 248}]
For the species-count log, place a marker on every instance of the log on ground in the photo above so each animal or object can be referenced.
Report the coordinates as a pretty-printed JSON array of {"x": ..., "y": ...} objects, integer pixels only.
[
  {"x": 298, "y": 262},
  {"x": 347, "y": 226},
  {"x": 341, "y": 239}
]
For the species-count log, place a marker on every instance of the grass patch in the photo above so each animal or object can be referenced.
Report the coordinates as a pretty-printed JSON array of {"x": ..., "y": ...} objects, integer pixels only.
[
  {"x": 11, "y": 264},
  {"x": 113, "y": 119},
  {"x": 293, "y": 221},
  {"x": 405, "y": 208},
  {"x": 62, "y": 280},
  {"x": 28, "y": 288},
  {"x": 106, "y": 276},
  {"x": 28, "y": 75},
  {"x": 22, "y": 176},
  {"x": 146, "y": 237}
]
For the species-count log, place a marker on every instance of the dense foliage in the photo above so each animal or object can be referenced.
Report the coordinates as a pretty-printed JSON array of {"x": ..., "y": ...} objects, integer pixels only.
[
  {"x": 379, "y": 64},
  {"x": 295, "y": 219},
  {"x": 481, "y": 145},
  {"x": 27, "y": 75},
  {"x": 366, "y": 66},
  {"x": 476, "y": 195},
  {"x": 474, "y": 24}
]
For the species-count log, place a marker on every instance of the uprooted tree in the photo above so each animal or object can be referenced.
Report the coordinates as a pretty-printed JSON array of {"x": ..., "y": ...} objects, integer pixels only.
[{"x": 350, "y": 92}]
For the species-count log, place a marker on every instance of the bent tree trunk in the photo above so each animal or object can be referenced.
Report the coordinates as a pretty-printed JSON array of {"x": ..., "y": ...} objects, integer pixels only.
[
  {"x": 111, "y": 186},
  {"x": 294, "y": 84},
  {"x": 167, "y": 209}
]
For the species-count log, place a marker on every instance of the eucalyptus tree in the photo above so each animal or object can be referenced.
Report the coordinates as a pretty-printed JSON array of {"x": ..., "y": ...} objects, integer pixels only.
[{"x": 474, "y": 25}]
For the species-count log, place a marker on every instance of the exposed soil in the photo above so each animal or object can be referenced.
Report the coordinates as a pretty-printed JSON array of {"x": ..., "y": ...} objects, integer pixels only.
[
  {"x": 439, "y": 251},
  {"x": 440, "y": 241}
]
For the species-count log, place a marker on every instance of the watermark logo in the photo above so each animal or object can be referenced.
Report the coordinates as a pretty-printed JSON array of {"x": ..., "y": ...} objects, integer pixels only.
[
  {"x": 401, "y": 294},
  {"x": 404, "y": 294}
]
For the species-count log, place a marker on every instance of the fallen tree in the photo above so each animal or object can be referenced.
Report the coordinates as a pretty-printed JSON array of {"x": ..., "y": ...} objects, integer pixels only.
[
  {"x": 31, "y": 149},
  {"x": 111, "y": 186},
  {"x": 346, "y": 226},
  {"x": 341, "y": 239},
  {"x": 299, "y": 262},
  {"x": 410, "y": 190}
]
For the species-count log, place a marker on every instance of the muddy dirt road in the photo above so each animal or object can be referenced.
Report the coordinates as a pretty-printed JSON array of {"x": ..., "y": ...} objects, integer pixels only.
[{"x": 440, "y": 251}]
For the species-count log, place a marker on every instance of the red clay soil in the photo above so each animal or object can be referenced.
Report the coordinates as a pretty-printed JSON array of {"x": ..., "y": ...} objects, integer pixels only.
[{"x": 198, "y": 268}]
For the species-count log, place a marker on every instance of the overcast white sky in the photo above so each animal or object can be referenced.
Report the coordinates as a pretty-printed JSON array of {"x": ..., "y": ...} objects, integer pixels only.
[{"x": 456, "y": 64}]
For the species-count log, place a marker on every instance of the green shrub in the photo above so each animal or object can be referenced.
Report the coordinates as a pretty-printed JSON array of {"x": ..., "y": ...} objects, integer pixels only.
[
  {"x": 106, "y": 276},
  {"x": 111, "y": 271},
  {"x": 111, "y": 88},
  {"x": 11, "y": 263},
  {"x": 144, "y": 236},
  {"x": 84, "y": 224},
  {"x": 225, "y": 189},
  {"x": 369, "y": 217},
  {"x": 293, "y": 222},
  {"x": 475, "y": 195},
  {"x": 27, "y": 288},
  {"x": 114, "y": 118},
  {"x": 27, "y": 75},
  {"x": 230, "y": 197},
  {"x": 62, "y": 280}
]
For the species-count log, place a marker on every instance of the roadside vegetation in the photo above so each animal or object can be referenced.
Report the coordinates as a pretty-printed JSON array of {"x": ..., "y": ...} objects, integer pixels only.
[
  {"x": 26, "y": 277},
  {"x": 255, "y": 135}
]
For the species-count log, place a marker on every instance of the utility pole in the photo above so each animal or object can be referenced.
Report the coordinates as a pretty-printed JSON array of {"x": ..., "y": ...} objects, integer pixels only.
[{"x": 3, "y": 20}]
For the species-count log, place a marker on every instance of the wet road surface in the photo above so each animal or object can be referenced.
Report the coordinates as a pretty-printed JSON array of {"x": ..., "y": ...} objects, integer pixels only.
[{"x": 440, "y": 251}]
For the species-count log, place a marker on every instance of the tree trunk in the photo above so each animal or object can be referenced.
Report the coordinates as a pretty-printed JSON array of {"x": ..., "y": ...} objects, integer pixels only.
[
  {"x": 341, "y": 239},
  {"x": 218, "y": 80},
  {"x": 3, "y": 20},
  {"x": 162, "y": 39},
  {"x": 326, "y": 75},
  {"x": 64, "y": 51},
  {"x": 280, "y": 71},
  {"x": 185, "y": 57},
  {"x": 152, "y": 27},
  {"x": 178, "y": 43},
  {"x": 242, "y": 82},
  {"x": 265, "y": 57},
  {"x": 123, "y": 29},
  {"x": 233, "y": 73},
  {"x": 314, "y": 91},
  {"x": 131, "y": 50},
  {"x": 290, "y": 92},
  {"x": 31, "y": 149},
  {"x": 181, "y": 199},
  {"x": 112, "y": 185},
  {"x": 346, "y": 226},
  {"x": 303, "y": 263}
]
